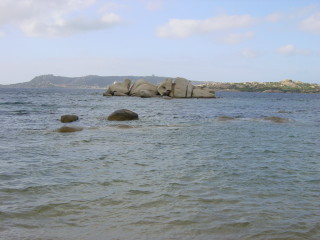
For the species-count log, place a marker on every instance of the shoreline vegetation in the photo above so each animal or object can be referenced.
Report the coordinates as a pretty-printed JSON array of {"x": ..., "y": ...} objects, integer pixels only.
[
  {"x": 285, "y": 86},
  {"x": 101, "y": 82}
]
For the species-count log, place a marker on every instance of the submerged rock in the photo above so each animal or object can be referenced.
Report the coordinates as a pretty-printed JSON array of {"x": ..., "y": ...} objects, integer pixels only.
[
  {"x": 224, "y": 118},
  {"x": 277, "y": 119},
  {"x": 69, "y": 118},
  {"x": 122, "y": 126},
  {"x": 123, "y": 115},
  {"x": 283, "y": 111},
  {"x": 66, "y": 129}
]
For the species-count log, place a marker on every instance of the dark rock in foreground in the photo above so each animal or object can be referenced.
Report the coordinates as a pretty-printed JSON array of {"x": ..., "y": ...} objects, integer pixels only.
[
  {"x": 69, "y": 118},
  {"x": 123, "y": 115},
  {"x": 67, "y": 129}
]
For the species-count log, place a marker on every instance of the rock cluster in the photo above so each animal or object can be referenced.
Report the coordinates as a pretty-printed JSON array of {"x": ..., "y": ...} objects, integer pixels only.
[{"x": 175, "y": 88}]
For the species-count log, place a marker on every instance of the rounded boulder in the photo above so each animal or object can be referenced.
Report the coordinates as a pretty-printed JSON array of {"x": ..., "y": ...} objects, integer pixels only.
[
  {"x": 123, "y": 115},
  {"x": 69, "y": 118}
]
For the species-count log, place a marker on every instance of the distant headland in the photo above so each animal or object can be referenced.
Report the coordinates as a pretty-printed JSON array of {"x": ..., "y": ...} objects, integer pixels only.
[{"x": 101, "y": 82}]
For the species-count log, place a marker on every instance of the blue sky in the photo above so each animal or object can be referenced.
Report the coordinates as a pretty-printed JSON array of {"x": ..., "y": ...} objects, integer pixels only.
[{"x": 205, "y": 40}]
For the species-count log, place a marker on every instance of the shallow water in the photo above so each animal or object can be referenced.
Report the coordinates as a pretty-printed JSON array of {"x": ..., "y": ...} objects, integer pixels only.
[{"x": 177, "y": 173}]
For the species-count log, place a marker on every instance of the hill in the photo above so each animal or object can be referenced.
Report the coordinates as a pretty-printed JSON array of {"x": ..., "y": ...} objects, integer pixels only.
[{"x": 91, "y": 81}]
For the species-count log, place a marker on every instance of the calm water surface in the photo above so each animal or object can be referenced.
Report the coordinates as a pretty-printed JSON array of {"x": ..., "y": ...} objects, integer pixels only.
[{"x": 178, "y": 173}]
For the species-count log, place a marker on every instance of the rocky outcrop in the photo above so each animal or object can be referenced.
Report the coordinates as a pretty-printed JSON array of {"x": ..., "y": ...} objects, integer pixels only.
[
  {"x": 123, "y": 115},
  {"x": 202, "y": 92},
  {"x": 180, "y": 87},
  {"x": 174, "y": 88},
  {"x": 165, "y": 87},
  {"x": 68, "y": 118},
  {"x": 143, "y": 85},
  {"x": 147, "y": 93},
  {"x": 190, "y": 88},
  {"x": 118, "y": 89}
]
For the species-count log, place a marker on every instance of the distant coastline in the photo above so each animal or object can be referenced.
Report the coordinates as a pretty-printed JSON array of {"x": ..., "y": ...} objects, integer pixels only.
[
  {"x": 285, "y": 86},
  {"x": 101, "y": 82}
]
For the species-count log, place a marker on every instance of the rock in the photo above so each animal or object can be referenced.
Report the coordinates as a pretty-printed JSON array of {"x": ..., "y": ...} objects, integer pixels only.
[
  {"x": 224, "y": 118},
  {"x": 277, "y": 119},
  {"x": 123, "y": 115},
  {"x": 119, "y": 89},
  {"x": 189, "y": 90},
  {"x": 202, "y": 92},
  {"x": 142, "y": 84},
  {"x": 122, "y": 126},
  {"x": 165, "y": 87},
  {"x": 177, "y": 88},
  {"x": 119, "y": 94},
  {"x": 167, "y": 97},
  {"x": 69, "y": 118},
  {"x": 288, "y": 83},
  {"x": 66, "y": 129},
  {"x": 283, "y": 111},
  {"x": 180, "y": 88},
  {"x": 146, "y": 94}
]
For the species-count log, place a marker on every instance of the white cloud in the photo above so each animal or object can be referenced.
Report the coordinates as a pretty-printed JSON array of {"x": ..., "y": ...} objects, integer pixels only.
[
  {"x": 181, "y": 28},
  {"x": 302, "y": 12},
  {"x": 62, "y": 27},
  {"x": 249, "y": 53},
  {"x": 154, "y": 5},
  {"x": 53, "y": 18},
  {"x": 290, "y": 49},
  {"x": 234, "y": 38},
  {"x": 111, "y": 6},
  {"x": 274, "y": 17},
  {"x": 311, "y": 24}
]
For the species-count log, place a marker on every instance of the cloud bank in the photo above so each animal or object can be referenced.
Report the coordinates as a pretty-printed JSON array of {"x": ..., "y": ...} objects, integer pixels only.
[
  {"x": 44, "y": 18},
  {"x": 235, "y": 38},
  {"x": 182, "y": 28},
  {"x": 311, "y": 24},
  {"x": 290, "y": 49}
]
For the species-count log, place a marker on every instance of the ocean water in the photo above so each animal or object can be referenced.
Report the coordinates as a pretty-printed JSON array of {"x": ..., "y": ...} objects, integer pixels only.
[{"x": 178, "y": 173}]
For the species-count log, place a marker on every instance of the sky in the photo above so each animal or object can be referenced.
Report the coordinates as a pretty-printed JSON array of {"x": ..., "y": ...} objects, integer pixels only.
[{"x": 203, "y": 40}]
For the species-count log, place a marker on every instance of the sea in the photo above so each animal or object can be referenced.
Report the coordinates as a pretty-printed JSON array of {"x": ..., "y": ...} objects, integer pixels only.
[{"x": 242, "y": 166}]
